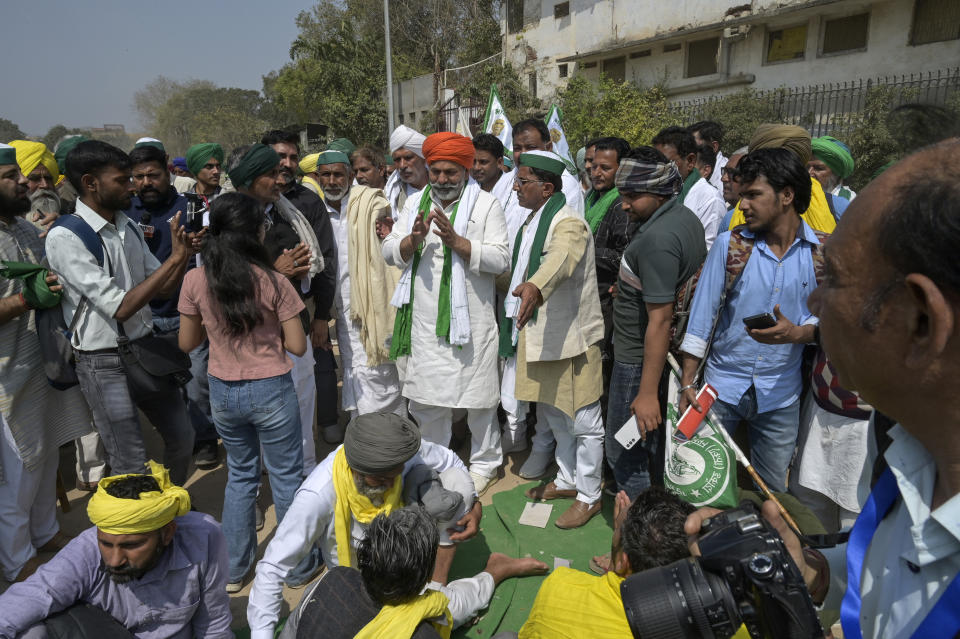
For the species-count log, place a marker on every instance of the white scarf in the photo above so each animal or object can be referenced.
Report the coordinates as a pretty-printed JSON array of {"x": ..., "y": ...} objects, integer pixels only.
[
  {"x": 459, "y": 310},
  {"x": 392, "y": 190},
  {"x": 304, "y": 231},
  {"x": 511, "y": 305}
]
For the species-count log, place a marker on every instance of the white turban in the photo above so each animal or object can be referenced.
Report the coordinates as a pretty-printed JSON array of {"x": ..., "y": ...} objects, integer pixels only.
[{"x": 403, "y": 137}]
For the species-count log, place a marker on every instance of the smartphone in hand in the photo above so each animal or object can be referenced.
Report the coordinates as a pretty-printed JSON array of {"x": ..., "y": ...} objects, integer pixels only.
[{"x": 763, "y": 320}]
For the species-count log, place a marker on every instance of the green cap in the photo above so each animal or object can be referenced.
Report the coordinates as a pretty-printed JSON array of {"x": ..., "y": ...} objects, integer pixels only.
[
  {"x": 544, "y": 160},
  {"x": 154, "y": 142},
  {"x": 342, "y": 144},
  {"x": 332, "y": 157}
]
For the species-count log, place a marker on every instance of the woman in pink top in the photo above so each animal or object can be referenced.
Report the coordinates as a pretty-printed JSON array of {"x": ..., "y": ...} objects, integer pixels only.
[{"x": 250, "y": 315}]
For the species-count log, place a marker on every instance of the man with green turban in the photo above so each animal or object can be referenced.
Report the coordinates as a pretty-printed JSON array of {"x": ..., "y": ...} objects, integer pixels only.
[
  {"x": 68, "y": 195},
  {"x": 342, "y": 144},
  {"x": 832, "y": 163},
  {"x": 35, "y": 419},
  {"x": 205, "y": 162}
]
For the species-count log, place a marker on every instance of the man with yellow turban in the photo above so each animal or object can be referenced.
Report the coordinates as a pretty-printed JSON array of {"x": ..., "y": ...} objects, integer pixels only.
[
  {"x": 40, "y": 168},
  {"x": 149, "y": 565},
  {"x": 818, "y": 215},
  {"x": 336, "y": 503},
  {"x": 445, "y": 327},
  {"x": 832, "y": 163},
  {"x": 308, "y": 166}
]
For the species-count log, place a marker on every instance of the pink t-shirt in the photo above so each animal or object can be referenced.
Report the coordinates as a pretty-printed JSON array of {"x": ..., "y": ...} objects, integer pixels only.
[{"x": 258, "y": 354}]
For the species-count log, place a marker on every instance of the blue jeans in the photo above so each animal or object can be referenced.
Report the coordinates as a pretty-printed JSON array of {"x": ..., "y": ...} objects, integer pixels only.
[
  {"x": 103, "y": 381},
  {"x": 631, "y": 468},
  {"x": 250, "y": 414},
  {"x": 773, "y": 435},
  {"x": 197, "y": 389}
]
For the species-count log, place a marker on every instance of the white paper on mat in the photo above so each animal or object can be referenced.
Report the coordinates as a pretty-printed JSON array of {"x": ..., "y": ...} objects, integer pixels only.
[
  {"x": 560, "y": 562},
  {"x": 536, "y": 514}
]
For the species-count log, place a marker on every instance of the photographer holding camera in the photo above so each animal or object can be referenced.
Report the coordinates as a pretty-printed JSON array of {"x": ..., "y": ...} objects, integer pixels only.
[{"x": 889, "y": 311}]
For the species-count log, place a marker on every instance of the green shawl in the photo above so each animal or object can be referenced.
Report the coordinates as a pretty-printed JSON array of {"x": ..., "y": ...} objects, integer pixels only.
[
  {"x": 556, "y": 202},
  {"x": 598, "y": 207},
  {"x": 692, "y": 179},
  {"x": 401, "y": 344}
]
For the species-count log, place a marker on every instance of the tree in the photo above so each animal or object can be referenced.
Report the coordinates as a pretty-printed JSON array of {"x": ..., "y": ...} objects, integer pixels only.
[
  {"x": 10, "y": 131},
  {"x": 616, "y": 109},
  {"x": 182, "y": 114},
  {"x": 56, "y": 133}
]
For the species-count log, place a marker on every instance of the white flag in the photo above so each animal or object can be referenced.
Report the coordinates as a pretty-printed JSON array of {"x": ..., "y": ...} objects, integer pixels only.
[
  {"x": 463, "y": 123},
  {"x": 559, "y": 139},
  {"x": 496, "y": 121}
]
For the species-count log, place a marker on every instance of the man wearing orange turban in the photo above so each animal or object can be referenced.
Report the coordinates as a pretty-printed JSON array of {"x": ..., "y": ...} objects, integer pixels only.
[{"x": 450, "y": 240}]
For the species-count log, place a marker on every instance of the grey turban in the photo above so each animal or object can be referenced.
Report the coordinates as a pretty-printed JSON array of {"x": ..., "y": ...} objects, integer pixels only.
[
  {"x": 378, "y": 442},
  {"x": 637, "y": 176}
]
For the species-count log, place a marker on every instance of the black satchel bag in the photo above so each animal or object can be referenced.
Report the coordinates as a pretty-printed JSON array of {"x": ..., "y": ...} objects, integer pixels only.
[
  {"x": 154, "y": 364},
  {"x": 59, "y": 364}
]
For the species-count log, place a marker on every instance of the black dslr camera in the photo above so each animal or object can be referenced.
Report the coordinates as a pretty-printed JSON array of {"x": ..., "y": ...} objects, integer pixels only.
[{"x": 745, "y": 575}]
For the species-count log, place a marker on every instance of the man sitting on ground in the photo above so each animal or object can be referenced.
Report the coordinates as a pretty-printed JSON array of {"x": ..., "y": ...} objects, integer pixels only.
[
  {"x": 647, "y": 534},
  {"x": 149, "y": 568},
  {"x": 391, "y": 594},
  {"x": 339, "y": 499}
]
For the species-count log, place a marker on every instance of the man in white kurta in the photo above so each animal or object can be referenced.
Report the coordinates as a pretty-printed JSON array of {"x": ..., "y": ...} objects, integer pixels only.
[
  {"x": 410, "y": 172},
  {"x": 458, "y": 370},
  {"x": 364, "y": 286}
]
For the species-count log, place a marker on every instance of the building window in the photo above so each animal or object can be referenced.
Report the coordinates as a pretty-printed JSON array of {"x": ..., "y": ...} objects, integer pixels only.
[
  {"x": 615, "y": 69},
  {"x": 640, "y": 54},
  {"x": 935, "y": 21},
  {"x": 401, "y": 118},
  {"x": 561, "y": 10},
  {"x": 784, "y": 45},
  {"x": 702, "y": 57},
  {"x": 563, "y": 70},
  {"x": 667, "y": 48},
  {"x": 532, "y": 83},
  {"x": 514, "y": 15},
  {"x": 843, "y": 35}
]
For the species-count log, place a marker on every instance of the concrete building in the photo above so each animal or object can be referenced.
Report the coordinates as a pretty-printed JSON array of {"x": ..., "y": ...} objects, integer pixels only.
[
  {"x": 413, "y": 100},
  {"x": 702, "y": 47}
]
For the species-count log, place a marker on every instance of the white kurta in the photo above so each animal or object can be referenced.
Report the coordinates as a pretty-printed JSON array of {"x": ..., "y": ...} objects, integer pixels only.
[
  {"x": 437, "y": 373},
  {"x": 709, "y": 207},
  {"x": 365, "y": 388}
]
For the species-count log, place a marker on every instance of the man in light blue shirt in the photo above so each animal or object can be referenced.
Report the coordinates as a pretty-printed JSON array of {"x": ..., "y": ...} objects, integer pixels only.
[{"x": 757, "y": 372}]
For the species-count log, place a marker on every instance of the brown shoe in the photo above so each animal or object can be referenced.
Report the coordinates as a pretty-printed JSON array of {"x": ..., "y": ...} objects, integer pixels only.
[
  {"x": 550, "y": 491},
  {"x": 577, "y": 515}
]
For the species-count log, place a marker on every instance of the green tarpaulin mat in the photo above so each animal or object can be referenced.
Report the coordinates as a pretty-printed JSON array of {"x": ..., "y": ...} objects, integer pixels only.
[{"x": 500, "y": 532}]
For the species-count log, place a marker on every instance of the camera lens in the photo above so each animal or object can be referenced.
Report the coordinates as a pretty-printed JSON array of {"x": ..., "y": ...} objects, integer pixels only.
[{"x": 679, "y": 601}]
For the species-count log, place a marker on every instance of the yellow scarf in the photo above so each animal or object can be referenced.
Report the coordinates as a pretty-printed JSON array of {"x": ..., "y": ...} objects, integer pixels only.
[
  {"x": 154, "y": 510},
  {"x": 396, "y": 622},
  {"x": 351, "y": 503},
  {"x": 817, "y": 216}
]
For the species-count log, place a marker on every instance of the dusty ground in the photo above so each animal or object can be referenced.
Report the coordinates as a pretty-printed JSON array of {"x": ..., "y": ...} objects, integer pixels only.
[{"x": 206, "y": 489}]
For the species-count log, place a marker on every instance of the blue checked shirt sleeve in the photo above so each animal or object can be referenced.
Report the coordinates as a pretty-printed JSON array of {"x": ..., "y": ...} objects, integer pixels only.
[{"x": 706, "y": 298}]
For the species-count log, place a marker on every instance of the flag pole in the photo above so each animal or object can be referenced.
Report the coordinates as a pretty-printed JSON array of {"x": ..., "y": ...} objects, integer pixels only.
[{"x": 386, "y": 38}]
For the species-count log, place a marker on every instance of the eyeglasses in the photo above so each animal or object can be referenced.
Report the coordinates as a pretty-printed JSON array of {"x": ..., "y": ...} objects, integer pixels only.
[{"x": 519, "y": 181}]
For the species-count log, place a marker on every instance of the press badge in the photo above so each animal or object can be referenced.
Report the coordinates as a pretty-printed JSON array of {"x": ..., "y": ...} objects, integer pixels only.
[{"x": 147, "y": 230}]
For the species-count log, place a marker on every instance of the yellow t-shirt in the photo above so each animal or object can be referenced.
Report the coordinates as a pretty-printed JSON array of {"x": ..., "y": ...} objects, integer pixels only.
[
  {"x": 573, "y": 604},
  {"x": 817, "y": 216}
]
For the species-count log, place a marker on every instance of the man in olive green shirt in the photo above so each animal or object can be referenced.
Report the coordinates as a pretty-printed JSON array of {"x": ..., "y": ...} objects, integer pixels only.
[{"x": 666, "y": 250}]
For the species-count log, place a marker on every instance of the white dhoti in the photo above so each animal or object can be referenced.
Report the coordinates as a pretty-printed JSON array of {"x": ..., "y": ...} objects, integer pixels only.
[
  {"x": 518, "y": 410},
  {"x": 366, "y": 389},
  {"x": 436, "y": 426},
  {"x": 28, "y": 505},
  {"x": 305, "y": 385},
  {"x": 467, "y": 596},
  {"x": 579, "y": 448}
]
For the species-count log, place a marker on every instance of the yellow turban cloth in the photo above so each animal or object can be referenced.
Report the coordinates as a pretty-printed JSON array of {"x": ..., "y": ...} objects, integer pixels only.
[
  {"x": 309, "y": 163},
  {"x": 154, "y": 509},
  {"x": 32, "y": 154},
  {"x": 402, "y": 620},
  {"x": 817, "y": 216},
  {"x": 351, "y": 502}
]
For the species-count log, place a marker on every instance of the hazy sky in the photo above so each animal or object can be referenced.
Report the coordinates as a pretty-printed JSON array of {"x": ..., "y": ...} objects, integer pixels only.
[{"x": 79, "y": 62}]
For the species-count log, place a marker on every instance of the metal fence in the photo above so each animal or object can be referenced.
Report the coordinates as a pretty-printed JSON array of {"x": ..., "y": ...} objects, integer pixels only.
[
  {"x": 449, "y": 112},
  {"x": 834, "y": 109}
]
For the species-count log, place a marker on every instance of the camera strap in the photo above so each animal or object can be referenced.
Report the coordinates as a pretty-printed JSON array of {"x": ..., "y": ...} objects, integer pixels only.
[{"x": 942, "y": 621}]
